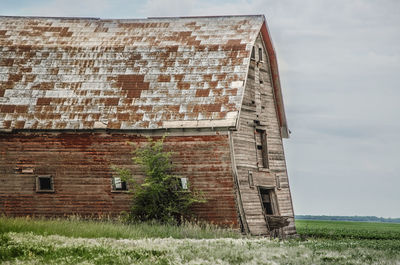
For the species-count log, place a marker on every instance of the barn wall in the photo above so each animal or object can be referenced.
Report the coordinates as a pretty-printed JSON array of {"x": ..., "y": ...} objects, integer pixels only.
[
  {"x": 259, "y": 104},
  {"x": 80, "y": 165}
]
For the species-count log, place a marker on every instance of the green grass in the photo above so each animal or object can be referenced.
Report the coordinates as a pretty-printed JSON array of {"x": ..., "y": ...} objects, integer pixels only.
[
  {"x": 352, "y": 230},
  {"x": 27, "y": 247},
  {"x": 38, "y": 241},
  {"x": 94, "y": 229}
]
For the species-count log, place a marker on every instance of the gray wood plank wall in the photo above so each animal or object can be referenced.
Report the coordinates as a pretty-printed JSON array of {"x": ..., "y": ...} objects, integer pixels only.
[{"x": 259, "y": 105}]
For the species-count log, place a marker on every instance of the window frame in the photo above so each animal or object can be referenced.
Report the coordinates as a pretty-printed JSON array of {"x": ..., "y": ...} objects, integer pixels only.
[
  {"x": 263, "y": 147},
  {"x": 250, "y": 179},
  {"x": 272, "y": 197},
  {"x": 38, "y": 186},
  {"x": 124, "y": 187},
  {"x": 184, "y": 183},
  {"x": 253, "y": 53}
]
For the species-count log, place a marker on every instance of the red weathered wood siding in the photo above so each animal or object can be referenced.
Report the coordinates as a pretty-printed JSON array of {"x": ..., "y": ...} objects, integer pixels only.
[{"x": 80, "y": 164}]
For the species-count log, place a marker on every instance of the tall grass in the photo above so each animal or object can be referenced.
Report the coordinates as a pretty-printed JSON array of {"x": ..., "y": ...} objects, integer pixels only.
[
  {"x": 40, "y": 241},
  {"x": 76, "y": 227},
  {"x": 28, "y": 248}
]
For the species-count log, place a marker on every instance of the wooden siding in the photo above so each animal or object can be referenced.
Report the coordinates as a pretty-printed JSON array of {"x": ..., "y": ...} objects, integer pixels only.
[
  {"x": 80, "y": 166},
  {"x": 259, "y": 104}
]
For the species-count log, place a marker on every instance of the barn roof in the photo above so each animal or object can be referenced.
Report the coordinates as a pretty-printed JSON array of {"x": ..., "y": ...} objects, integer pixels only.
[{"x": 89, "y": 73}]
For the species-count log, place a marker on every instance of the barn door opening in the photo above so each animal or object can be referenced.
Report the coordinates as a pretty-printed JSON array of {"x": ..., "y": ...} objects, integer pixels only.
[
  {"x": 268, "y": 201},
  {"x": 275, "y": 222}
]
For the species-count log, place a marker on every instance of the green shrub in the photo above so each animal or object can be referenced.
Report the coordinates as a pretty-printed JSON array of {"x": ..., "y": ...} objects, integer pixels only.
[{"x": 160, "y": 197}]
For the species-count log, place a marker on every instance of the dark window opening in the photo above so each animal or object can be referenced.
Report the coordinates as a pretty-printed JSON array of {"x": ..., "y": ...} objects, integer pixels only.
[
  {"x": 253, "y": 53},
  {"x": 266, "y": 201},
  {"x": 119, "y": 184},
  {"x": 262, "y": 147},
  {"x": 260, "y": 55},
  {"x": 44, "y": 184}
]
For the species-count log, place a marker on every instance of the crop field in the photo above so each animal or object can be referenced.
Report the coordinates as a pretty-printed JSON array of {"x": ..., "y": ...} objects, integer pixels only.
[
  {"x": 33, "y": 241},
  {"x": 351, "y": 230}
]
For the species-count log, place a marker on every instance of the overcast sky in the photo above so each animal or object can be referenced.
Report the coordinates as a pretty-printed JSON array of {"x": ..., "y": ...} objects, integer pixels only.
[{"x": 339, "y": 66}]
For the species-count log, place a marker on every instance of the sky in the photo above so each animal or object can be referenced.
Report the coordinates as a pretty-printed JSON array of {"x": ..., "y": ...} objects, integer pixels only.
[{"x": 339, "y": 64}]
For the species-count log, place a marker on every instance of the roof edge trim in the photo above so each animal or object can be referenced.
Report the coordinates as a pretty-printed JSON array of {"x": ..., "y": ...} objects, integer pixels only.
[
  {"x": 126, "y": 19},
  {"x": 40, "y": 17},
  {"x": 275, "y": 79},
  {"x": 223, "y": 16}
]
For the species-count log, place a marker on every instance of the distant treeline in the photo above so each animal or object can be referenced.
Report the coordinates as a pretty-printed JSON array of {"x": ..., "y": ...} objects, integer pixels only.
[{"x": 348, "y": 218}]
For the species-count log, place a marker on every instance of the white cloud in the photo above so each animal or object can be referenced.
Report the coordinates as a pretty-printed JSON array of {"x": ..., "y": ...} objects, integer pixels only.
[
  {"x": 200, "y": 7},
  {"x": 63, "y": 8}
]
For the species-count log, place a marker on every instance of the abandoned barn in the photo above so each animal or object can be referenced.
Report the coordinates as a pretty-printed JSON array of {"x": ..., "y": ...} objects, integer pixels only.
[{"x": 74, "y": 91}]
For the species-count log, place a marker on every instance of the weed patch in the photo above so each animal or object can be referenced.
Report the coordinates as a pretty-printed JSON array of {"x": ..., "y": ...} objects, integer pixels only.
[
  {"x": 42, "y": 247},
  {"x": 111, "y": 229}
]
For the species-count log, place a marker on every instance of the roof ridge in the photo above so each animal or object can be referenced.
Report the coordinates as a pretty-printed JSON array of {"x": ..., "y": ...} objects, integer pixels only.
[
  {"x": 91, "y": 18},
  {"x": 223, "y": 16},
  {"x": 147, "y": 18}
]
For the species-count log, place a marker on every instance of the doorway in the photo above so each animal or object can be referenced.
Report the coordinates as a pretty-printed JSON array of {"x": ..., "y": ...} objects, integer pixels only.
[{"x": 268, "y": 201}]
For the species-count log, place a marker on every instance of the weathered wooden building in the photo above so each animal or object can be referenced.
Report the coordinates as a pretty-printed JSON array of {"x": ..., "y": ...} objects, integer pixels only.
[{"x": 73, "y": 91}]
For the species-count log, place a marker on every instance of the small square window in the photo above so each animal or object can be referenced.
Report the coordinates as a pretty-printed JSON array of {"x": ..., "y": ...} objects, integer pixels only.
[
  {"x": 44, "y": 184},
  {"x": 118, "y": 184}
]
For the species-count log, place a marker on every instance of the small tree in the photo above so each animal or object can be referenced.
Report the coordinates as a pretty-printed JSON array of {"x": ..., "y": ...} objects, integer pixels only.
[{"x": 160, "y": 197}]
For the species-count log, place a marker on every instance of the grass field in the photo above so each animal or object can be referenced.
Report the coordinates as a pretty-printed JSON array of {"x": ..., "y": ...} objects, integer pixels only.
[
  {"x": 27, "y": 241},
  {"x": 352, "y": 230}
]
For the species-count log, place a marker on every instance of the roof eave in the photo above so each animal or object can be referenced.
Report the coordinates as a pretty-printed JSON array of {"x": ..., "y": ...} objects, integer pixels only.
[{"x": 275, "y": 80}]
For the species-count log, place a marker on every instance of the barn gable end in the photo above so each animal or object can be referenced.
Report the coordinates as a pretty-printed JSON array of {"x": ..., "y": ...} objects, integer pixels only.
[
  {"x": 73, "y": 91},
  {"x": 258, "y": 147}
]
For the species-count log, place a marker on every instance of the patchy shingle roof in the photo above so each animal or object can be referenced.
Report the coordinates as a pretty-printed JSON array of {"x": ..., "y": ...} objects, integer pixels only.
[{"x": 70, "y": 73}]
